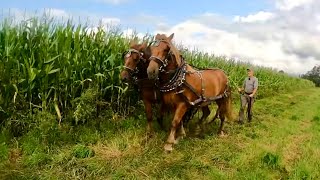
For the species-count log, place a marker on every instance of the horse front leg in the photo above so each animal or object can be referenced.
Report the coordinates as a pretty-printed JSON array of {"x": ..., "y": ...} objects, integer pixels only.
[
  {"x": 181, "y": 133},
  {"x": 176, "y": 122},
  {"x": 148, "y": 111},
  {"x": 161, "y": 115}
]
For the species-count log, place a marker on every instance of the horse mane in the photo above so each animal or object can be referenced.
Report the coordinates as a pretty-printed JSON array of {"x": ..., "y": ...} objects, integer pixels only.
[
  {"x": 176, "y": 53},
  {"x": 147, "y": 51},
  {"x": 173, "y": 49}
]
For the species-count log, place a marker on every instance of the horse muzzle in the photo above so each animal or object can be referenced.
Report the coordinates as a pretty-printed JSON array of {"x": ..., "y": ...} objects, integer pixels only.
[
  {"x": 124, "y": 75},
  {"x": 152, "y": 73}
]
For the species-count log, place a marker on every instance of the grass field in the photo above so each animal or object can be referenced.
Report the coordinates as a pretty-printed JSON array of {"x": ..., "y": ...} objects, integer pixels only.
[{"x": 282, "y": 142}]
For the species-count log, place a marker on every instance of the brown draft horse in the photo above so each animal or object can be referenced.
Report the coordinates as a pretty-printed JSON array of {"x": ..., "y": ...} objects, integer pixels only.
[
  {"x": 136, "y": 61},
  {"x": 184, "y": 87}
]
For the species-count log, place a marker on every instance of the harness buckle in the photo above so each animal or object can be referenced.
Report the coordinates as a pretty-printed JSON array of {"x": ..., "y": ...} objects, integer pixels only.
[{"x": 179, "y": 92}]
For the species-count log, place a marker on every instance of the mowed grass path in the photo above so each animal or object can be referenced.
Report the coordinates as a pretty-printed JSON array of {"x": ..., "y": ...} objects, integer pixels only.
[{"x": 282, "y": 142}]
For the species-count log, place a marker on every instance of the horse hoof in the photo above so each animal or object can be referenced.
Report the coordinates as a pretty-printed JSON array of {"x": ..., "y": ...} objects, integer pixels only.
[
  {"x": 176, "y": 141},
  {"x": 168, "y": 148},
  {"x": 221, "y": 134},
  {"x": 148, "y": 135}
]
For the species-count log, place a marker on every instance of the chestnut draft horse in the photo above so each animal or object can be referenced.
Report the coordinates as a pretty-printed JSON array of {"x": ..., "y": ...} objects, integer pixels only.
[
  {"x": 183, "y": 87},
  {"x": 136, "y": 61}
]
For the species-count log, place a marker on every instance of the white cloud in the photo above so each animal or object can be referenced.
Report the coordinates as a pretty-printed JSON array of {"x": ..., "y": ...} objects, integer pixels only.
[
  {"x": 105, "y": 23},
  {"x": 129, "y": 33},
  {"x": 57, "y": 13},
  {"x": 110, "y": 21},
  {"x": 285, "y": 39},
  {"x": 291, "y": 4},
  {"x": 146, "y": 19},
  {"x": 261, "y": 16}
]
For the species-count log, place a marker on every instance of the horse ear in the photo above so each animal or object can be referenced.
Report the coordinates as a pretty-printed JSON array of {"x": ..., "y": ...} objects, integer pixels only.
[
  {"x": 143, "y": 45},
  {"x": 157, "y": 36},
  {"x": 171, "y": 36}
]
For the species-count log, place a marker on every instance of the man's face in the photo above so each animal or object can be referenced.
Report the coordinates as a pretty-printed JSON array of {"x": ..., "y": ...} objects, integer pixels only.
[{"x": 250, "y": 73}]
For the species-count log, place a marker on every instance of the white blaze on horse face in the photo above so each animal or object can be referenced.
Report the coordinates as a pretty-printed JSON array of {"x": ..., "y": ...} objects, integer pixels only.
[{"x": 153, "y": 70}]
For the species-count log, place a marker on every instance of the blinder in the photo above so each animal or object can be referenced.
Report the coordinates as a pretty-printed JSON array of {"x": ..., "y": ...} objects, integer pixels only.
[
  {"x": 128, "y": 54},
  {"x": 162, "y": 63}
]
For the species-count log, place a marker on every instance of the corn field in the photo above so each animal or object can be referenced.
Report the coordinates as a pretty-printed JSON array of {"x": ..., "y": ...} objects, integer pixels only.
[{"x": 46, "y": 65}]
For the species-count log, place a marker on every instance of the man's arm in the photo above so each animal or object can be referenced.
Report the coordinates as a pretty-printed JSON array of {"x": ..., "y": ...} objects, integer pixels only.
[
  {"x": 254, "y": 92},
  {"x": 255, "y": 86},
  {"x": 243, "y": 86}
]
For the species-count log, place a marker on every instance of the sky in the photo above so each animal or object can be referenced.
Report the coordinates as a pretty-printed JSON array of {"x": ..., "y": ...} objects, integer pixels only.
[{"x": 282, "y": 34}]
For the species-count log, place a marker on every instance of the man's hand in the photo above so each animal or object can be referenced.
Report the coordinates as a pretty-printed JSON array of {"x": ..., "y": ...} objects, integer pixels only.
[{"x": 251, "y": 95}]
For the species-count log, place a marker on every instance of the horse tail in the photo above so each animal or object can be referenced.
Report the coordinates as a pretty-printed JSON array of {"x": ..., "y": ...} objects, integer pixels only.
[{"x": 228, "y": 103}]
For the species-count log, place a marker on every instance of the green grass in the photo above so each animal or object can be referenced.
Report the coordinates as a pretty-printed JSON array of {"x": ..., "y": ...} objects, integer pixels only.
[{"x": 271, "y": 147}]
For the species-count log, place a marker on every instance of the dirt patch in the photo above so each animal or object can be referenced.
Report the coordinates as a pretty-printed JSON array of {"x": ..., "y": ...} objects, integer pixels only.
[
  {"x": 112, "y": 152},
  {"x": 105, "y": 152},
  {"x": 14, "y": 156}
]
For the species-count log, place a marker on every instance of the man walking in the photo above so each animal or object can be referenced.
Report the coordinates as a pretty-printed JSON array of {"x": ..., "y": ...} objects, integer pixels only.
[{"x": 248, "y": 91}]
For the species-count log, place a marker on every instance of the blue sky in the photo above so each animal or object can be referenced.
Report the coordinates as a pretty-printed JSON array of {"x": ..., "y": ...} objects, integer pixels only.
[
  {"x": 170, "y": 11},
  {"x": 281, "y": 34}
]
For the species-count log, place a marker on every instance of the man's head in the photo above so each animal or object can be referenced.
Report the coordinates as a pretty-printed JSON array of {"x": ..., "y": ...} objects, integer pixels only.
[{"x": 250, "y": 72}]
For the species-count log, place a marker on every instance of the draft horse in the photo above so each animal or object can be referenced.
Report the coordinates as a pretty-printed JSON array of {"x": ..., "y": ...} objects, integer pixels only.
[
  {"x": 136, "y": 61},
  {"x": 183, "y": 87}
]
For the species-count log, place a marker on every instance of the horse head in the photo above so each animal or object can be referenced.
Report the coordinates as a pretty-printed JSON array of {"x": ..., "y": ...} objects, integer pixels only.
[
  {"x": 136, "y": 54},
  {"x": 162, "y": 50}
]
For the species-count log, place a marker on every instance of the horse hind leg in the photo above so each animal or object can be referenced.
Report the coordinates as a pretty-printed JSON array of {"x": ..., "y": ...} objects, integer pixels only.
[
  {"x": 220, "y": 131},
  {"x": 222, "y": 115},
  {"x": 205, "y": 114}
]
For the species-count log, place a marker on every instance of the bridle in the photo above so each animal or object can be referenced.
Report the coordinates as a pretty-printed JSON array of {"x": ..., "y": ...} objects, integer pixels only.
[
  {"x": 161, "y": 62},
  {"x": 127, "y": 54}
]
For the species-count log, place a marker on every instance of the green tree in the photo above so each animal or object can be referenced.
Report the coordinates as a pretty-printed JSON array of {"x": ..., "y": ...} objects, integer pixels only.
[{"x": 313, "y": 75}]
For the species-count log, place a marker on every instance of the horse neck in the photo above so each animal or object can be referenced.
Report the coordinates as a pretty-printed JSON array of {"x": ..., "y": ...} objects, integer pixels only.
[
  {"x": 170, "y": 70},
  {"x": 142, "y": 70},
  {"x": 142, "y": 66}
]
